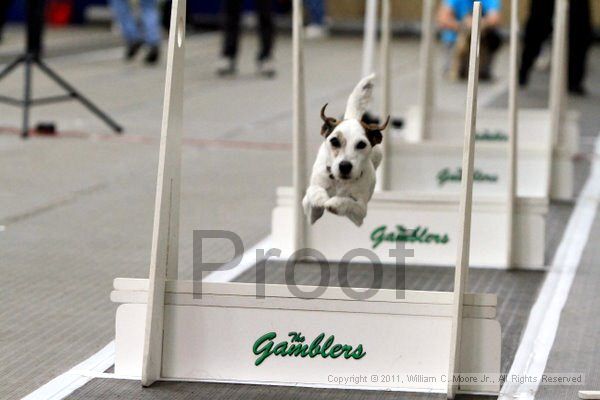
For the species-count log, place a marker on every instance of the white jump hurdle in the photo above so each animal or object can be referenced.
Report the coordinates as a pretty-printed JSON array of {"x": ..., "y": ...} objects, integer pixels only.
[
  {"x": 165, "y": 332},
  {"x": 426, "y": 122}
]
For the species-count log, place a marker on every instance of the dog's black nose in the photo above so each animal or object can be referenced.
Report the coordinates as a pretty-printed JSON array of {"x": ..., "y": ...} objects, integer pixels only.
[{"x": 345, "y": 167}]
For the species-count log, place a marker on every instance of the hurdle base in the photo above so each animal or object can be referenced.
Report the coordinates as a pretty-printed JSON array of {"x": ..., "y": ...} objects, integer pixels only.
[
  {"x": 212, "y": 338},
  {"x": 429, "y": 226},
  {"x": 434, "y": 167},
  {"x": 492, "y": 127}
]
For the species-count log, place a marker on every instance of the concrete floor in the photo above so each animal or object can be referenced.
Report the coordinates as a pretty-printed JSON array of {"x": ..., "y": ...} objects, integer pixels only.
[{"x": 76, "y": 210}]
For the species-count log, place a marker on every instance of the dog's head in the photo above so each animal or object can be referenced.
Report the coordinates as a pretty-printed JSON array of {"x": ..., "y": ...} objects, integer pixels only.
[{"x": 350, "y": 143}]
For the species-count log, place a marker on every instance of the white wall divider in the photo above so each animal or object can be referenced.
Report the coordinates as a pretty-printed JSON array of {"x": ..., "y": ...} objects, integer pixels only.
[
  {"x": 299, "y": 126},
  {"x": 383, "y": 174},
  {"x": 461, "y": 271},
  {"x": 165, "y": 235},
  {"x": 513, "y": 109},
  {"x": 427, "y": 76},
  {"x": 370, "y": 32}
]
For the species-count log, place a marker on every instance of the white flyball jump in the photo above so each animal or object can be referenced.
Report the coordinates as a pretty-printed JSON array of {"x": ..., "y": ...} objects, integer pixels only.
[
  {"x": 508, "y": 231},
  {"x": 551, "y": 132},
  {"x": 166, "y": 331}
]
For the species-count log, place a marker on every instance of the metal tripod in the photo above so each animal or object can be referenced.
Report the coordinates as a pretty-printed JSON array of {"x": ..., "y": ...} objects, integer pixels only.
[{"x": 32, "y": 58}]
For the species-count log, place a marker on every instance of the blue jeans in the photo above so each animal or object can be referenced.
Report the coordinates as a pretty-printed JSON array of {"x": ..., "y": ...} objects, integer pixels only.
[
  {"x": 129, "y": 25},
  {"x": 316, "y": 11}
]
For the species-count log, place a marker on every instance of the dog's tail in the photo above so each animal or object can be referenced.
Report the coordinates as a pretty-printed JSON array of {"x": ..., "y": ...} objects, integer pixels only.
[{"x": 360, "y": 98}]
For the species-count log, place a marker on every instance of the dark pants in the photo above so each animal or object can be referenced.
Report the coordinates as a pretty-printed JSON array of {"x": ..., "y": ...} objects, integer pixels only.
[
  {"x": 233, "y": 13},
  {"x": 539, "y": 28},
  {"x": 580, "y": 38},
  {"x": 490, "y": 43},
  {"x": 4, "y": 6}
]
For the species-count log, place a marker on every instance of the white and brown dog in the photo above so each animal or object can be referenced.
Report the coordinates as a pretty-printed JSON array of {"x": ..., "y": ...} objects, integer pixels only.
[{"x": 343, "y": 176}]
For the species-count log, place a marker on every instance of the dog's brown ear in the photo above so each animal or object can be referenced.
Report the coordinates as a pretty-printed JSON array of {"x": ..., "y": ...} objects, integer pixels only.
[
  {"x": 329, "y": 123},
  {"x": 375, "y": 137},
  {"x": 374, "y": 132}
]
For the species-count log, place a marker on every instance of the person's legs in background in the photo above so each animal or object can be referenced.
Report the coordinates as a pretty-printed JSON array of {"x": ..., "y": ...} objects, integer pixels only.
[
  {"x": 537, "y": 30},
  {"x": 165, "y": 15},
  {"x": 316, "y": 26},
  {"x": 150, "y": 22},
  {"x": 580, "y": 37},
  {"x": 490, "y": 44},
  {"x": 129, "y": 29},
  {"x": 267, "y": 35},
  {"x": 4, "y": 6},
  {"x": 231, "y": 36}
]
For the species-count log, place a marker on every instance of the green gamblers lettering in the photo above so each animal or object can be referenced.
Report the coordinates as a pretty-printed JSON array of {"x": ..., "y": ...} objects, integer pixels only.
[
  {"x": 419, "y": 234},
  {"x": 447, "y": 175},
  {"x": 296, "y": 346}
]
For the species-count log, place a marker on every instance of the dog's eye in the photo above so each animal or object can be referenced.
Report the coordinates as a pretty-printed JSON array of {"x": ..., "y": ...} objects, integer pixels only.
[
  {"x": 335, "y": 142},
  {"x": 361, "y": 145}
]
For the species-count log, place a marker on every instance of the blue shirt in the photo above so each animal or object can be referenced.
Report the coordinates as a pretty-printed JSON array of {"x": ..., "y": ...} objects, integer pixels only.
[{"x": 462, "y": 8}]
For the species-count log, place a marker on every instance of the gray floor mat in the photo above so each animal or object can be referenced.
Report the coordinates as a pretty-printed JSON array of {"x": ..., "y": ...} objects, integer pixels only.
[{"x": 577, "y": 344}]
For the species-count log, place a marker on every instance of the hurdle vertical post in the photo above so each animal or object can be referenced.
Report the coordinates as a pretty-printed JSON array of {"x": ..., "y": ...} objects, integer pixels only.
[
  {"x": 370, "y": 30},
  {"x": 299, "y": 125},
  {"x": 512, "y": 128},
  {"x": 558, "y": 81},
  {"x": 165, "y": 235},
  {"x": 427, "y": 76},
  {"x": 466, "y": 201},
  {"x": 383, "y": 179}
]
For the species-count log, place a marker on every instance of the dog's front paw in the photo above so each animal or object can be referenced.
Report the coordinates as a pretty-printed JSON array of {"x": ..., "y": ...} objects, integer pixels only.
[
  {"x": 336, "y": 205},
  {"x": 319, "y": 199},
  {"x": 312, "y": 211}
]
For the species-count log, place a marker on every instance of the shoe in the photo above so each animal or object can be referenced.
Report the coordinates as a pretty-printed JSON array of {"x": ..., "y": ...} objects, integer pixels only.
[
  {"x": 486, "y": 76},
  {"x": 132, "y": 50},
  {"x": 368, "y": 118},
  {"x": 544, "y": 60},
  {"x": 226, "y": 67},
  {"x": 578, "y": 90},
  {"x": 314, "y": 31},
  {"x": 266, "y": 68},
  {"x": 523, "y": 79},
  {"x": 152, "y": 56}
]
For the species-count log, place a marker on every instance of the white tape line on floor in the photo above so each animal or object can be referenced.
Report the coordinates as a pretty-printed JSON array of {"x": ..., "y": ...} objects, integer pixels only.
[
  {"x": 65, "y": 384},
  {"x": 532, "y": 354}
]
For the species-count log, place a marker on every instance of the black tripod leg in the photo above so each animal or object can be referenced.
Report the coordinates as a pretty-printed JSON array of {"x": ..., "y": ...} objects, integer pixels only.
[
  {"x": 26, "y": 98},
  {"x": 11, "y": 66},
  {"x": 73, "y": 92}
]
